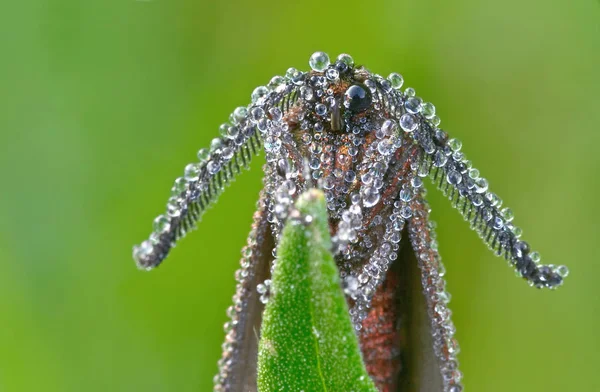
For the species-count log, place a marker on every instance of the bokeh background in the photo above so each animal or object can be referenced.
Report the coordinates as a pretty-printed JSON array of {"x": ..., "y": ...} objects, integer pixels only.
[{"x": 102, "y": 104}]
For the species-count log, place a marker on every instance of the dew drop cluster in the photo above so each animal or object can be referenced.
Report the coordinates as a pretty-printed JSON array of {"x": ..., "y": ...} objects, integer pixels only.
[{"x": 368, "y": 142}]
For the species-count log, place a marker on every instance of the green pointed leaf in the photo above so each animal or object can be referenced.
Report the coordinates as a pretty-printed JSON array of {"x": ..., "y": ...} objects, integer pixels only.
[{"x": 307, "y": 338}]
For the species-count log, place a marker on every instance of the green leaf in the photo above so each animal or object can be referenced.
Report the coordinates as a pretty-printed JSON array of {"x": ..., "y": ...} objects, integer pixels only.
[{"x": 307, "y": 338}]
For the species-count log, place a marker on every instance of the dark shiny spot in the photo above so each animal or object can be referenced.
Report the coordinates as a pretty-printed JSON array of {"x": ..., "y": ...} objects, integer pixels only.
[
  {"x": 341, "y": 66},
  {"x": 357, "y": 98}
]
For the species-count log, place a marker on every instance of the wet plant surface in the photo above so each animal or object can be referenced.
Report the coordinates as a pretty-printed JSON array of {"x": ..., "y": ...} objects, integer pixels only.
[{"x": 307, "y": 339}]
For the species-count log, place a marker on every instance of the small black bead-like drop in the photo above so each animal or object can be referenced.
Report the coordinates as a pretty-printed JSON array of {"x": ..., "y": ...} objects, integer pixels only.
[
  {"x": 341, "y": 67},
  {"x": 357, "y": 98}
]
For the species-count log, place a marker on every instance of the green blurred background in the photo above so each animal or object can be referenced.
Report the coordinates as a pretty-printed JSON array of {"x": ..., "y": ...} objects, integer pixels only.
[{"x": 102, "y": 104}]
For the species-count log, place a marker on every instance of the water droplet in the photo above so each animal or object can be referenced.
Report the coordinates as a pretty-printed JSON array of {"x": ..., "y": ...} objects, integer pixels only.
[
  {"x": 320, "y": 109},
  {"x": 203, "y": 154},
  {"x": 173, "y": 207},
  {"x": 262, "y": 125},
  {"x": 357, "y": 98},
  {"x": 306, "y": 93},
  {"x": 458, "y": 156},
  {"x": 240, "y": 113},
  {"x": 288, "y": 186},
  {"x": 474, "y": 174},
  {"x": 406, "y": 212},
  {"x": 285, "y": 168},
  {"x": 517, "y": 231},
  {"x": 161, "y": 224},
  {"x": 416, "y": 182},
  {"x": 179, "y": 186},
  {"x": 370, "y": 196},
  {"x": 213, "y": 167},
  {"x": 428, "y": 110},
  {"x": 346, "y": 59},
  {"x": 315, "y": 163},
  {"x": 233, "y": 132},
  {"x": 389, "y": 127},
  {"x": 408, "y": 122},
  {"x": 192, "y": 172},
  {"x": 142, "y": 251},
  {"x": 259, "y": 93},
  {"x": 406, "y": 195},
  {"x": 328, "y": 183},
  {"x": 455, "y": 144},
  {"x": 261, "y": 288},
  {"x": 385, "y": 147},
  {"x": 481, "y": 185},
  {"x": 298, "y": 78},
  {"x": 363, "y": 278},
  {"x": 227, "y": 153},
  {"x": 413, "y": 105},
  {"x": 223, "y": 129},
  {"x": 507, "y": 214},
  {"x": 386, "y": 85},
  {"x": 441, "y": 310},
  {"x": 498, "y": 223},
  {"x": 347, "y": 216},
  {"x": 350, "y": 285},
  {"x": 319, "y": 61},
  {"x": 350, "y": 176},
  {"x": 493, "y": 199},
  {"x": 396, "y": 80},
  {"x": 486, "y": 214},
  {"x": 291, "y": 71},
  {"x": 562, "y": 271},
  {"x": 454, "y": 177},
  {"x": 277, "y": 83},
  {"x": 332, "y": 74},
  {"x": 276, "y": 114},
  {"x": 272, "y": 144},
  {"x": 439, "y": 159},
  {"x": 256, "y": 114},
  {"x": 216, "y": 144}
]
